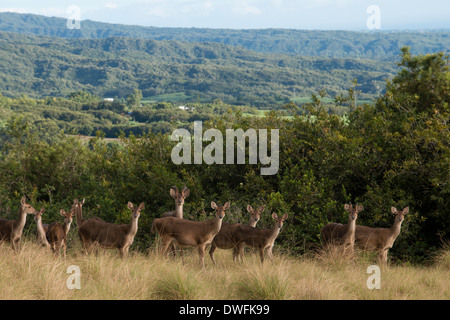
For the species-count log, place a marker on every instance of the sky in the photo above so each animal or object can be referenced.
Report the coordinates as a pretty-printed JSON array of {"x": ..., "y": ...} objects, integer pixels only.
[{"x": 250, "y": 14}]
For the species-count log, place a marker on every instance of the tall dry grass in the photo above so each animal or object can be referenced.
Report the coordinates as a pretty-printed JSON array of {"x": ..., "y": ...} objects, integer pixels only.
[{"x": 35, "y": 273}]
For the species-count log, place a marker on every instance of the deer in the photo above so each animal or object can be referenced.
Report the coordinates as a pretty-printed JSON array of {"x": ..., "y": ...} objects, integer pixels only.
[
  {"x": 380, "y": 239},
  {"x": 179, "y": 202},
  {"x": 41, "y": 230},
  {"x": 340, "y": 234},
  {"x": 261, "y": 239},
  {"x": 109, "y": 235},
  {"x": 187, "y": 233},
  {"x": 11, "y": 230},
  {"x": 227, "y": 237},
  {"x": 57, "y": 234}
]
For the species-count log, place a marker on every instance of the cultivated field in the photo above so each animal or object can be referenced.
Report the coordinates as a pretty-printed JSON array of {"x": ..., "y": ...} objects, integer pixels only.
[{"x": 35, "y": 273}]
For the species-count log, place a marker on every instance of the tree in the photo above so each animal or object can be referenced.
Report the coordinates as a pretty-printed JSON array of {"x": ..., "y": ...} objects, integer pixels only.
[{"x": 134, "y": 99}]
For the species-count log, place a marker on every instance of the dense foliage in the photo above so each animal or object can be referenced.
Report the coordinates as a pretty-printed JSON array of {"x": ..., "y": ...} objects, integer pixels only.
[
  {"x": 395, "y": 152},
  {"x": 175, "y": 71}
]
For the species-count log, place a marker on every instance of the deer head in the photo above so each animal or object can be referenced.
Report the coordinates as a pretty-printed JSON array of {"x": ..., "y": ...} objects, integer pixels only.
[
  {"x": 67, "y": 216},
  {"x": 279, "y": 220},
  {"x": 38, "y": 214},
  {"x": 136, "y": 210},
  {"x": 179, "y": 196},
  {"x": 25, "y": 207},
  {"x": 399, "y": 214},
  {"x": 256, "y": 214},
  {"x": 353, "y": 211},
  {"x": 220, "y": 210}
]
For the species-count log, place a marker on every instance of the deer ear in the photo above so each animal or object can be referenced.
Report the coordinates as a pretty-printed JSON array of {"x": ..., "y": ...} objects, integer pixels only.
[
  {"x": 75, "y": 201},
  {"x": 359, "y": 207},
  {"x": 82, "y": 201},
  {"x": 62, "y": 212},
  {"x": 23, "y": 200},
  {"x": 285, "y": 216},
  {"x": 406, "y": 210},
  {"x": 142, "y": 206},
  {"x": 226, "y": 206},
  {"x": 130, "y": 205},
  {"x": 274, "y": 215},
  {"x": 262, "y": 208},
  {"x": 394, "y": 210},
  {"x": 185, "y": 192},
  {"x": 213, "y": 205},
  {"x": 42, "y": 210},
  {"x": 346, "y": 207},
  {"x": 173, "y": 191},
  {"x": 250, "y": 208}
]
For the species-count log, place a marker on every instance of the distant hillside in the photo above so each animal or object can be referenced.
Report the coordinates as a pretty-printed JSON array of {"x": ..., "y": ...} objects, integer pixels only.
[
  {"x": 348, "y": 44},
  {"x": 49, "y": 66}
]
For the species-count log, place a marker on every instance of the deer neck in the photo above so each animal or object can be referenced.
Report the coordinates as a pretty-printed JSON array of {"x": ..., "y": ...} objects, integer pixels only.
[
  {"x": 217, "y": 224},
  {"x": 395, "y": 229},
  {"x": 66, "y": 227},
  {"x": 20, "y": 223},
  {"x": 274, "y": 232},
  {"x": 133, "y": 226},
  {"x": 179, "y": 211},
  {"x": 41, "y": 232},
  {"x": 79, "y": 216},
  {"x": 351, "y": 226}
]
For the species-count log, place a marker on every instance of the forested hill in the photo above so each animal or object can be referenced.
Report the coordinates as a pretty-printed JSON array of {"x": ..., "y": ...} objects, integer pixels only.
[
  {"x": 372, "y": 45},
  {"x": 114, "y": 67}
]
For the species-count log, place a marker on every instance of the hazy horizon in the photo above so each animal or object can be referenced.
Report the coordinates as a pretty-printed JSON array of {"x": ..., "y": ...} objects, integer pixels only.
[{"x": 349, "y": 15}]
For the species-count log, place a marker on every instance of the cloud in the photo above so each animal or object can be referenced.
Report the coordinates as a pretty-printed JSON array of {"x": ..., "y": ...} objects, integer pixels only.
[
  {"x": 16, "y": 10},
  {"x": 243, "y": 8},
  {"x": 111, "y": 5}
]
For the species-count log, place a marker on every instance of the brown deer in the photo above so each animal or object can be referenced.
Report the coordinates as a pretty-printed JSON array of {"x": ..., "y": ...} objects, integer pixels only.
[
  {"x": 41, "y": 236},
  {"x": 108, "y": 235},
  {"x": 380, "y": 239},
  {"x": 227, "y": 238},
  {"x": 11, "y": 230},
  {"x": 57, "y": 234},
  {"x": 179, "y": 202},
  {"x": 187, "y": 233},
  {"x": 340, "y": 234},
  {"x": 261, "y": 239}
]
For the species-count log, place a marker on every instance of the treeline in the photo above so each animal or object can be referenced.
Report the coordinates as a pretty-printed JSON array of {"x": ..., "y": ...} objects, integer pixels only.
[
  {"x": 83, "y": 113},
  {"x": 178, "y": 71},
  {"x": 393, "y": 153},
  {"x": 342, "y": 44}
]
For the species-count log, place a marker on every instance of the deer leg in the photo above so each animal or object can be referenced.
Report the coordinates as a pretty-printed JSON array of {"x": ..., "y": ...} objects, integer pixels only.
[
  {"x": 238, "y": 252},
  {"x": 261, "y": 255},
  {"x": 64, "y": 245},
  {"x": 165, "y": 246},
  {"x": 211, "y": 252},
  {"x": 201, "y": 253},
  {"x": 269, "y": 253}
]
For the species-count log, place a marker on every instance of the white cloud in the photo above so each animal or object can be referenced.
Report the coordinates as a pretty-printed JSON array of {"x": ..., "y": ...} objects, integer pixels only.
[
  {"x": 242, "y": 7},
  {"x": 111, "y": 5},
  {"x": 58, "y": 12},
  {"x": 16, "y": 10}
]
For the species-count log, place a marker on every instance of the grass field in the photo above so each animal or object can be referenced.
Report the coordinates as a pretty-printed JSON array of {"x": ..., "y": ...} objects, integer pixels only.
[{"x": 35, "y": 273}]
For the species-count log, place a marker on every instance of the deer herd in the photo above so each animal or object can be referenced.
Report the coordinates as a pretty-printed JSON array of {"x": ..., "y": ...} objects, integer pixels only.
[{"x": 174, "y": 231}]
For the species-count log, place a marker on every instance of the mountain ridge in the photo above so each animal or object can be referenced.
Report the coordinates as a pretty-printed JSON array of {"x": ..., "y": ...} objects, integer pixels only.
[{"x": 350, "y": 44}]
